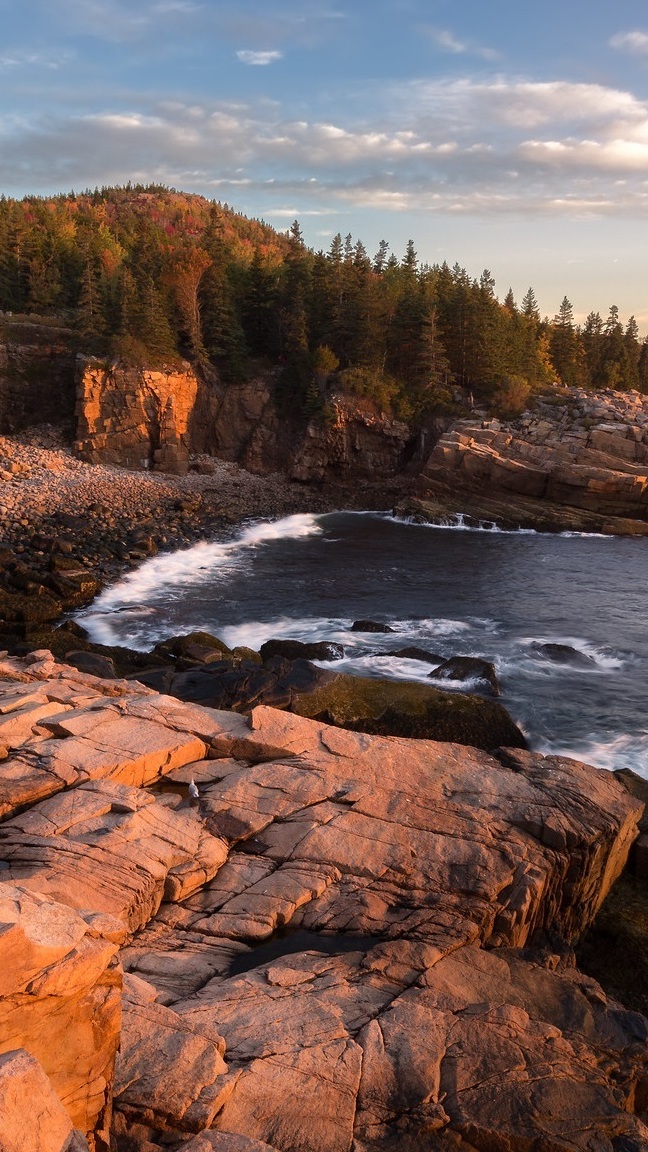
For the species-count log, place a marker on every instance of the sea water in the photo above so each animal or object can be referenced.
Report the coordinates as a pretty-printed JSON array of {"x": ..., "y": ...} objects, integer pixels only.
[{"x": 452, "y": 591}]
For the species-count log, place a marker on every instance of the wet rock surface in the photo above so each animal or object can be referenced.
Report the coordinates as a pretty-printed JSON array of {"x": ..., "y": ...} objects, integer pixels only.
[{"x": 448, "y": 884}]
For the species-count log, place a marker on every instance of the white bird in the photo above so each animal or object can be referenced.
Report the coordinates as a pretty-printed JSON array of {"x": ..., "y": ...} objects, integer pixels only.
[{"x": 194, "y": 794}]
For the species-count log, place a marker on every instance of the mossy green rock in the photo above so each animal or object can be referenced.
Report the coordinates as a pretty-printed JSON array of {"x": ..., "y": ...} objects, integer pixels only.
[{"x": 394, "y": 708}]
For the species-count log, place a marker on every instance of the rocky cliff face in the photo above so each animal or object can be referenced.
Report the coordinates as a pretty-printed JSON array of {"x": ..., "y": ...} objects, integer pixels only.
[
  {"x": 587, "y": 451},
  {"x": 135, "y": 418},
  {"x": 146, "y": 419},
  {"x": 344, "y": 941},
  {"x": 37, "y": 369},
  {"x": 352, "y": 440}
]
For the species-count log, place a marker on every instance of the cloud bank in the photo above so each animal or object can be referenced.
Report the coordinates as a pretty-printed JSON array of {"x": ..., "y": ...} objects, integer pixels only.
[{"x": 462, "y": 146}]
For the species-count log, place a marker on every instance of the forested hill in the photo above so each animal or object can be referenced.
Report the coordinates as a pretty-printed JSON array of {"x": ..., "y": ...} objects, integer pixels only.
[{"x": 147, "y": 275}]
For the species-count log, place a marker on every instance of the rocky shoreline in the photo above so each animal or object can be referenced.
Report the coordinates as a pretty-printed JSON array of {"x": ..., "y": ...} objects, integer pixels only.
[
  {"x": 263, "y": 934},
  {"x": 429, "y": 995},
  {"x": 69, "y": 527}
]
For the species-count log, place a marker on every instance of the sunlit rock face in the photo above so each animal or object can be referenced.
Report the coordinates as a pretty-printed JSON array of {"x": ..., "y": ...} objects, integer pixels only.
[
  {"x": 341, "y": 941},
  {"x": 584, "y": 450},
  {"x": 137, "y": 418}
]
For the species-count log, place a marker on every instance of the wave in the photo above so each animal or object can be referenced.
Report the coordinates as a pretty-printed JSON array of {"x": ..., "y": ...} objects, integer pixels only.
[
  {"x": 456, "y": 522},
  {"x": 166, "y": 575},
  {"x": 628, "y": 750}
]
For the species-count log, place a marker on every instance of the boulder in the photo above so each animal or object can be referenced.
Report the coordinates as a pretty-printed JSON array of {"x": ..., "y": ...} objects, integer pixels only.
[
  {"x": 297, "y": 650},
  {"x": 469, "y": 668},
  {"x": 403, "y": 708},
  {"x": 563, "y": 654}
]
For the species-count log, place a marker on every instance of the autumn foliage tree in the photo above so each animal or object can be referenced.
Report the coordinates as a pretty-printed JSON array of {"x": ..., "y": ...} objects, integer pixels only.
[{"x": 148, "y": 275}]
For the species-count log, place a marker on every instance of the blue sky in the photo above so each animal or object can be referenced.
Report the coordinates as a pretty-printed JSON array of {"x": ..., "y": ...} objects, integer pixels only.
[{"x": 494, "y": 134}]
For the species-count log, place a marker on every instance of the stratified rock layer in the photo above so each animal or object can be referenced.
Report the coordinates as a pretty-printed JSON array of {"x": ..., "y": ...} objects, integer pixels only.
[
  {"x": 586, "y": 452},
  {"x": 346, "y": 942}
]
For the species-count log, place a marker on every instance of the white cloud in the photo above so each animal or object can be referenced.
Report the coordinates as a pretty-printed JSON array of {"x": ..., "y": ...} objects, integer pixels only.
[
  {"x": 249, "y": 56},
  {"x": 447, "y": 40},
  {"x": 117, "y": 21},
  {"x": 445, "y": 146},
  {"x": 634, "y": 42},
  {"x": 41, "y": 59}
]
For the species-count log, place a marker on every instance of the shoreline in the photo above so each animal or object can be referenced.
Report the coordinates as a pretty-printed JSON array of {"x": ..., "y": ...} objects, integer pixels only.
[{"x": 64, "y": 521}]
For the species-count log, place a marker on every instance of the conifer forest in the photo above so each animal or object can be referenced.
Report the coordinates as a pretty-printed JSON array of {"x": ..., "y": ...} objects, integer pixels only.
[{"x": 147, "y": 275}]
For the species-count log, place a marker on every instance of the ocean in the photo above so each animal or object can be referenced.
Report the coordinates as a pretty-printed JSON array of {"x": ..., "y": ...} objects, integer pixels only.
[{"x": 452, "y": 591}]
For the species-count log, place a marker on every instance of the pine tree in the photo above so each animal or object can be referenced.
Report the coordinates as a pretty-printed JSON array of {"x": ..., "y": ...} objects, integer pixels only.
[{"x": 566, "y": 348}]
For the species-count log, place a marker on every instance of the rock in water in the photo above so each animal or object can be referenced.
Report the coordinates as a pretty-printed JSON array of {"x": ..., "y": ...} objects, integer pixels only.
[
  {"x": 297, "y": 650},
  {"x": 564, "y": 654},
  {"x": 469, "y": 668},
  {"x": 370, "y": 626},
  {"x": 406, "y": 708}
]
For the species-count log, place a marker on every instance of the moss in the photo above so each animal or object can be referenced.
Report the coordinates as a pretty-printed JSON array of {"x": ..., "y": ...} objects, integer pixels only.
[{"x": 393, "y": 708}]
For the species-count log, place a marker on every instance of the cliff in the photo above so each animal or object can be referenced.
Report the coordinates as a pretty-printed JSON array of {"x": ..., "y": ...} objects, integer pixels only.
[
  {"x": 578, "y": 461},
  {"x": 344, "y": 940},
  {"x": 139, "y": 418},
  {"x": 37, "y": 374}
]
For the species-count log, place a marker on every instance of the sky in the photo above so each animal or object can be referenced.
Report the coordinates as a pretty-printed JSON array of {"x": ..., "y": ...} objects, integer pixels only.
[{"x": 493, "y": 134}]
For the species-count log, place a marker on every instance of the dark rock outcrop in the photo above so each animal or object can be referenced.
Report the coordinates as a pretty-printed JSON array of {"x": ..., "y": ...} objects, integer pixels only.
[
  {"x": 469, "y": 668},
  {"x": 563, "y": 654},
  {"x": 297, "y": 650},
  {"x": 37, "y": 374},
  {"x": 370, "y": 626}
]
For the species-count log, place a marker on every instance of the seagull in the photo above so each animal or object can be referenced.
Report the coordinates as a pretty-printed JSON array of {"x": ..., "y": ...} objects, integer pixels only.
[{"x": 194, "y": 794}]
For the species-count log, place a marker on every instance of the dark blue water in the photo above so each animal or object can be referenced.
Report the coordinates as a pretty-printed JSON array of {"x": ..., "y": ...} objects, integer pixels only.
[{"x": 452, "y": 591}]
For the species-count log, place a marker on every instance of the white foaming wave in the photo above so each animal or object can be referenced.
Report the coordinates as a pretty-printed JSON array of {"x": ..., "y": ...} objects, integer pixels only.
[
  {"x": 288, "y": 528},
  {"x": 199, "y": 563},
  {"x": 456, "y": 522},
  {"x": 254, "y": 633},
  {"x": 383, "y": 666},
  {"x": 169, "y": 573},
  {"x": 570, "y": 535},
  {"x": 435, "y": 627},
  {"x": 629, "y": 750}
]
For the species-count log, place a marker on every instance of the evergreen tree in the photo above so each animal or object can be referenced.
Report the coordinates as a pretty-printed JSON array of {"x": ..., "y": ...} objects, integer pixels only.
[
  {"x": 566, "y": 348},
  {"x": 530, "y": 306}
]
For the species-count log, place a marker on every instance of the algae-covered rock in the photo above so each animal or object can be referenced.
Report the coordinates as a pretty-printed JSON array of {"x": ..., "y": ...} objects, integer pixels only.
[
  {"x": 393, "y": 708},
  {"x": 19, "y": 608}
]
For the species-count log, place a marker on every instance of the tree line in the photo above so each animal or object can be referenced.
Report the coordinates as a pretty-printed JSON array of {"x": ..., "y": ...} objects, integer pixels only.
[{"x": 148, "y": 275}]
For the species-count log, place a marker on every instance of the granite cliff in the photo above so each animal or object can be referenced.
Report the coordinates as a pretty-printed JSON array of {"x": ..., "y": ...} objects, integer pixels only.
[
  {"x": 344, "y": 942},
  {"x": 146, "y": 419},
  {"x": 577, "y": 459}
]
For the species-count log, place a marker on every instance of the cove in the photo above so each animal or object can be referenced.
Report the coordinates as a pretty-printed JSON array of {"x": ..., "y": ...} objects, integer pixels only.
[{"x": 452, "y": 590}]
